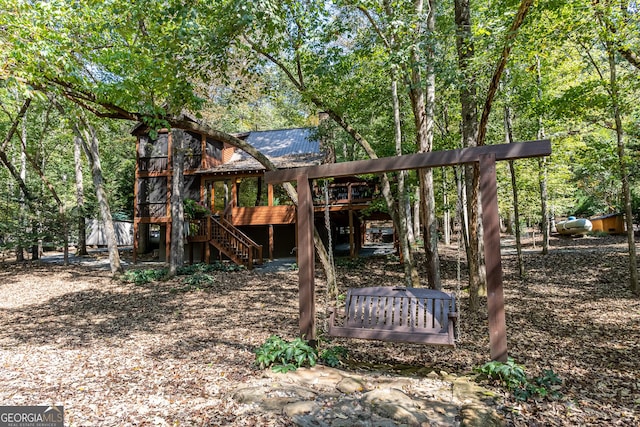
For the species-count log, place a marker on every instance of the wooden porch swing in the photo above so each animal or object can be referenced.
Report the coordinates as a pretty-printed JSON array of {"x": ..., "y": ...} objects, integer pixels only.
[
  {"x": 413, "y": 315},
  {"x": 359, "y": 321},
  {"x": 397, "y": 314}
]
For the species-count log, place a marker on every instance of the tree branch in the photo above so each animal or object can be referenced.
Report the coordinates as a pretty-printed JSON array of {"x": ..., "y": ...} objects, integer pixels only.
[{"x": 525, "y": 5}]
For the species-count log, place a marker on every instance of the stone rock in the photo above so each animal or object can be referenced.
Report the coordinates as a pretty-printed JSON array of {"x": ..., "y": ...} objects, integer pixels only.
[
  {"x": 300, "y": 408},
  {"x": 323, "y": 396},
  {"x": 272, "y": 398},
  {"x": 390, "y": 395},
  {"x": 321, "y": 377},
  {"x": 479, "y": 416},
  {"x": 350, "y": 385},
  {"x": 433, "y": 375},
  {"x": 396, "y": 405}
]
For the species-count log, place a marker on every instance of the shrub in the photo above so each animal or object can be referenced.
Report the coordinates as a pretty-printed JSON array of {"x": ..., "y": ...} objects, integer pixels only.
[
  {"x": 283, "y": 356},
  {"x": 333, "y": 356},
  {"x": 142, "y": 277},
  {"x": 512, "y": 376}
]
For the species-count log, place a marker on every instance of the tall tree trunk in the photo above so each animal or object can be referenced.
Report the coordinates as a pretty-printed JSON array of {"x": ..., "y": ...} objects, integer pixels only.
[
  {"x": 90, "y": 143},
  {"x": 446, "y": 216},
  {"x": 23, "y": 177},
  {"x": 423, "y": 105},
  {"x": 516, "y": 215},
  {"x": 176, "y": 257},
  {"x": 410, "y": 273},
  {"x": 615, "y": 103},
  {"x": 416, "y": 213},
  {"x": 508, "y": 127},
  {"x": 542, "y": 172},
  {"x": 468, "y": 102},
  {"x": 82, "y": 229}
]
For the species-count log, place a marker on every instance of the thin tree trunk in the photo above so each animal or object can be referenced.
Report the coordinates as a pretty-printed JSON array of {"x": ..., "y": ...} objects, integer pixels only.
[
  {"x": 508, "y": 127},
  {"x": 446, "y": 216},
  {"x": 410, "y": 273},
  {"x": 23, "y": 177},
  {"x": 516, "y": 214},
  {"x": 423, "y": 105},
  {"x": 82, "y": 230},
  {"x": 633, "y": 264},
  {"x": 542, "y": 172},
  {"x": 90, "y": 142},
  {"x": 176, "y": 257},
  {"x": 416, "y": 214},
  {"x": 468, "y": 101}
]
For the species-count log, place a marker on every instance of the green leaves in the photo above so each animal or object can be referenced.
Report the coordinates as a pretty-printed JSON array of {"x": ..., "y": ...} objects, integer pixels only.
[
  {"x": 512, "y": 376},
  {"x": 283, "y": 356}
]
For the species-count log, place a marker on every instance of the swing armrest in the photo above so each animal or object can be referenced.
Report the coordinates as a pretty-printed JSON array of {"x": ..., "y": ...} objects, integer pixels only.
[
  {"x": 335, "y": 313},
  {"x": 454, "y": 315}
]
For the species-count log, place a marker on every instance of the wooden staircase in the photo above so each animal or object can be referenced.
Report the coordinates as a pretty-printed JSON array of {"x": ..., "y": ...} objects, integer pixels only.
[{"x": 227, "y": 239}]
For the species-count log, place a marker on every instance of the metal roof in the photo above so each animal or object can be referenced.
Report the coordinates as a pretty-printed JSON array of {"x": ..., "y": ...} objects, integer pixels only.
[
  {"x": 286, "y": 148},
  {"x": 284, "y": 142}
]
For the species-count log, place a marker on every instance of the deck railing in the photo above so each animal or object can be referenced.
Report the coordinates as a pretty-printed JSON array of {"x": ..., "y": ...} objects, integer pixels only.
[{"x": 348, "y": 193}]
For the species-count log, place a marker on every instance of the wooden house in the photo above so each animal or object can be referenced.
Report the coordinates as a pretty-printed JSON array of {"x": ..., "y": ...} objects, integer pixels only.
[
  {"x": 611, "y": 223},
  {"x": 245, "y": 219}
]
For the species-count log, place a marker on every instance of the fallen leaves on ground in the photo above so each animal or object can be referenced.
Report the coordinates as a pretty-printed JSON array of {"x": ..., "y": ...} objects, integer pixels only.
[{"x": 121, "y": 354}]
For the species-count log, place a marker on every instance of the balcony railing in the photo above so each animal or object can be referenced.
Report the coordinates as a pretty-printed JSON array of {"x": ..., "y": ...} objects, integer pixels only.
[{"x": 349, "y": 193}]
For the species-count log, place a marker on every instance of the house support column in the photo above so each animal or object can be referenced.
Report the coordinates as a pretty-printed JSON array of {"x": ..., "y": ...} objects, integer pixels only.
[
  {"x": 491, "y": 225},
  {"x": 306, "y": 260},
  {"x": 271, "y": 244},
  {"x": 352, "y": 243},
  {"x": 136, "y": 236}
]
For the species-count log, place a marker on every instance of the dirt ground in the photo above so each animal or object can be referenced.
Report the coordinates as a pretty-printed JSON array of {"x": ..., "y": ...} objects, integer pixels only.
[{"x": 116, "y": 353}]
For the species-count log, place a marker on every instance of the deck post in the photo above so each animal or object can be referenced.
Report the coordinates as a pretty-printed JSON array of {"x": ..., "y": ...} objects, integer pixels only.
[
  {"x": 491, "y": 225},
  {"x": 352, "y": 243},
  {"x": 306, "y": 260},
  {"x": 271, "y": 242}
]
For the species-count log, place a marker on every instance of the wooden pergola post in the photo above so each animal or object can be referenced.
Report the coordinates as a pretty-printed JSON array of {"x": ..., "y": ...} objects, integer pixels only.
[
  {"x": 306, "y": 267},
  {"x": 491, "y": 225},
  {"x": 486, "y": 156}
]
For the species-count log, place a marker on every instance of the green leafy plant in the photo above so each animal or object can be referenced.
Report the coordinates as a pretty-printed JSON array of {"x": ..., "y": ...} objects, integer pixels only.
[
  {"x": 333, "y": 356},
  {"x": 195, "y": 282},
  {"x": 142, "y": 277},
  {"x": 194, "y": 209},
  {"x": 208, "y": 268},
  {"x": 198, "y": 276},
  {"x": 352, "y": 264},
  {"x": 512, "y": 376},
  {"x": 284, "y": 356}
]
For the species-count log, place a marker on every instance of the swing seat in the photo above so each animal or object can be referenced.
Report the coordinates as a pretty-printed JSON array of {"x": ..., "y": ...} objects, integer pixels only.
[{"x": 413, "y": 315}]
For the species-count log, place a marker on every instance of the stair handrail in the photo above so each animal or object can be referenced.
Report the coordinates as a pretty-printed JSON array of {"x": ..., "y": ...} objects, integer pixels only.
[
  {"x": 239, "y": 236},
  {"x": 246, "y": 239}
]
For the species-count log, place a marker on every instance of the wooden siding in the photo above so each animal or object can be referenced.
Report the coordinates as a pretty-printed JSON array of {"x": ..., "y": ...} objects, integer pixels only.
[{"x": 263, "y": 215}]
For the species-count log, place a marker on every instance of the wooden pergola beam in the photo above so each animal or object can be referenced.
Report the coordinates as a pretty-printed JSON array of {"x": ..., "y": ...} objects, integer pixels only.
[
  {"x": 485, "y": 156},
  {"x": 433, "y": 159}
]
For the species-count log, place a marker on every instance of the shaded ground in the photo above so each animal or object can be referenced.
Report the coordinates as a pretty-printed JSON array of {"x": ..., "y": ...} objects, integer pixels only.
[{"x": 166, "y": 354}]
